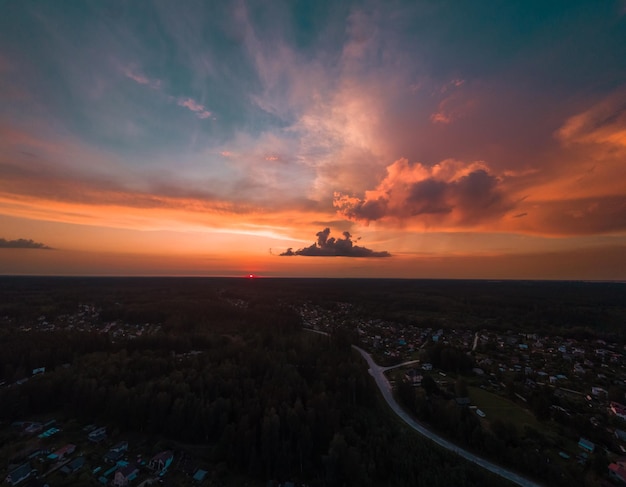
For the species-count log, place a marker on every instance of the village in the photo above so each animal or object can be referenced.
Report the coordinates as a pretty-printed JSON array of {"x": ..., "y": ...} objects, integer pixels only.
[
  {"x": 585, "y": 378},
  {"x": 51, "y": 454}
]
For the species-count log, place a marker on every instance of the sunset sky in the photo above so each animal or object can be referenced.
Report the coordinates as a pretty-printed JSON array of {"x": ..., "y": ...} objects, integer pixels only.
[{"x": 433, "y": 139}]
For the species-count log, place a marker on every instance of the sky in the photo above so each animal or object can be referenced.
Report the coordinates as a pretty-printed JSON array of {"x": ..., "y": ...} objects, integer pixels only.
[{"x": 410, "y": 139}]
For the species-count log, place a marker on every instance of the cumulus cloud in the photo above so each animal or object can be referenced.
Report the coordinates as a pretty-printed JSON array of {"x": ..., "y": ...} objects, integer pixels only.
[
  {"x": 332, "y": 247},
  {"x": 22, "y": 243},
  {"x": 194, "y": 106},
  {"x": 449, "y": 191}
]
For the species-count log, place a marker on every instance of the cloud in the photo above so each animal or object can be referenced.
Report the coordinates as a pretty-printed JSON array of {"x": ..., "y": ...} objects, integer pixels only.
[
  {"x": 22, "y": 243},
  {"x": 573, "y": 216},
  {"x": 138, "y": 77},
  {"x": 604, "y": 123},
  {"x": 194, "y": 106},
  {"x": 449, "y": 192},
  {"x": 453, "y": 106},
  {"x": 332, "y": 247}
]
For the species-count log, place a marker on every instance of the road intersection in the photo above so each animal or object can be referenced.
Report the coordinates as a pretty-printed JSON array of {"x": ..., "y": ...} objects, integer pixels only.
[{"x": 378, "y": 373}]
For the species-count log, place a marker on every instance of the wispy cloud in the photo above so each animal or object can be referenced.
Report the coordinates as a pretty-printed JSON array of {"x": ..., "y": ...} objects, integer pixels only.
[
  {"x": 137, "y": 76},
  {"x": 195, "y": 107},
  {"x": 603, "y": 123},
  {"x": 133, "y": 73},
  {"x": 454, "y": 105}
]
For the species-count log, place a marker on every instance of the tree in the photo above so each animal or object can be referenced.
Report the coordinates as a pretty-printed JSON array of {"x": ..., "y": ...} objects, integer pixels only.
[
  {"x": 460, "y": 388},
  {"x": 429, "y": 385}
]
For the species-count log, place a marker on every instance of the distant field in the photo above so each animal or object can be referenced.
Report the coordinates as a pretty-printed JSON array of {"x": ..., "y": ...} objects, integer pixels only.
[{"x": 497, "y": 407}]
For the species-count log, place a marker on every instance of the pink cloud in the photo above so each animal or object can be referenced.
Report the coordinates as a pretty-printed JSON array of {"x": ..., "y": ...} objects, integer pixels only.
[
  {"x": 604, "y": 123},
  {"x": 453, "y": 106},
  {"x": 455, "y": 83},
  {"x": 441, "y": 117},
  {"x": 194, "y": 106},
  {"x": 139, "y": 78},
  {"x": 448, "y": 193}
]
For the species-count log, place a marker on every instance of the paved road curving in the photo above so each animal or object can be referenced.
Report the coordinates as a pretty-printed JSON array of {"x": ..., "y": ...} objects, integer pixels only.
[{"x": 378, "y": 373}]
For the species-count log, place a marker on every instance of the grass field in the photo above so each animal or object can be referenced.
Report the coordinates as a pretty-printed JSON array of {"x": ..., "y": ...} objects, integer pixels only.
[{"x": 497, "y": 407}]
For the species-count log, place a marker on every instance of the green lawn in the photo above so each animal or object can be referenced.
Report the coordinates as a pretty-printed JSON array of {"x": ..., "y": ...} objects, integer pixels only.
[{"x": 497, "y": 407}]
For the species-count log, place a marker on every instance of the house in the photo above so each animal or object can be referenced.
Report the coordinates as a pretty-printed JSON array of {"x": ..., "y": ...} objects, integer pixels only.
[
  {"x": 116, "y": 452},
  {"x": 20, "y": 474},
  {"x": 33, "y": 428},
  {"x": 200, "y": 475},
  {"x": 617, "y": 470},
  {"x": 125, "y": 475},
  {"x": 599, "y": 391},
  {"x": 161, "y": 461},
  {"x": 62, "y": 452},
  {"x": 586, "y": 445},
  {"x": 413, "y": 377},
  {"x": 98, "y": 435},
  {"x": 618, "y": 410},
  {"x": 462, "y": 401},
  {"x": 73, "y": 466},
  {"x": 121, "y": 446},
  {"x": 113, "y": 456}
]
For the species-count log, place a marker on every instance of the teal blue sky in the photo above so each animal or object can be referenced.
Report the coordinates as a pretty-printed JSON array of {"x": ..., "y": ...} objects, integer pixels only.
[{"x": 410, "y": 124}]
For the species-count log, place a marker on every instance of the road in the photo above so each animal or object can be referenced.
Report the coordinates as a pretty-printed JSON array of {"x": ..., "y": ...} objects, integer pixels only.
[
  {"x": 378, "y": 373},
  {"x": 475, "y": 341}
]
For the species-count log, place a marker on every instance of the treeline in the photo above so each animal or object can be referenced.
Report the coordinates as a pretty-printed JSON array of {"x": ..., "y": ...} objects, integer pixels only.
[
  {"x": 23, "y": 352},
  {"x": 449, "y": 358},
  {"x": 580, "y": 309}
]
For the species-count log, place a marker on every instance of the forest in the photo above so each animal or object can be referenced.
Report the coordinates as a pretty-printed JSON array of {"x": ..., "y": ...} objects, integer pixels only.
[{"x": 267, "y": 400}]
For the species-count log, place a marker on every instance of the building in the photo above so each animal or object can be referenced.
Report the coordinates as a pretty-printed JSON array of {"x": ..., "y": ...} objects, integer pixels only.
[
  {"x": 617, "y": 470},
  {"x": 98, "y": 435},
  {"x": 20, "y": 474},
  {"x": 73, "y": 466},
  {"x": 161, "y": 461},
  {"x": 200, "y": 475},
  {"x": 413, "y": 377},
  {"x": 62, "y": 452},
  {"x": 586, "y": 445},
  {"x": 116, "y": 452},
  {"x": 618, "y": 410},
  {"x": 125, "y": 475}
]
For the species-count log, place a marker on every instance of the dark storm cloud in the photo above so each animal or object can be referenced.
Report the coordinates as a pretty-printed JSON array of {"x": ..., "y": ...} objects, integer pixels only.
[
  {"x": 22, "y": 243},
  {"x": 332, "y": 247}
]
